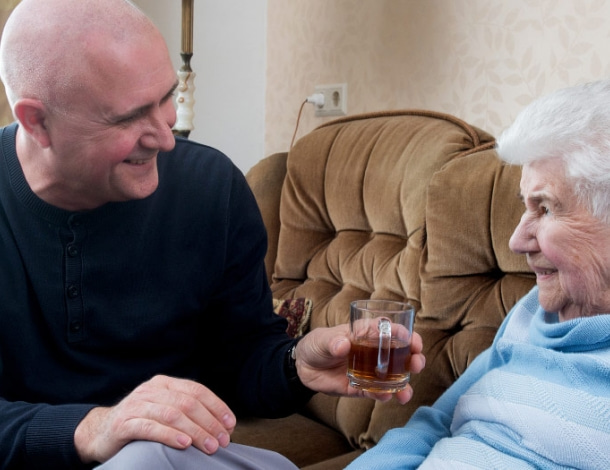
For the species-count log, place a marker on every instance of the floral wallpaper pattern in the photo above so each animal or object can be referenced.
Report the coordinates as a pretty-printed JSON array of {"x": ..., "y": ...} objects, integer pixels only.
[{"x": 481, "y": 60}]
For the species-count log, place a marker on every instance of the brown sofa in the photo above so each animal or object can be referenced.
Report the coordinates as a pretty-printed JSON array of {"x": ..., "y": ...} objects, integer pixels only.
[{"x": 408, "y": 205}]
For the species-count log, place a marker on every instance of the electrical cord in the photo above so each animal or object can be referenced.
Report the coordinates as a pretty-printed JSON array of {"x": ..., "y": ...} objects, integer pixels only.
[
  {"x": 316, "y": 99},
  {"x": 297, "y": 125}
]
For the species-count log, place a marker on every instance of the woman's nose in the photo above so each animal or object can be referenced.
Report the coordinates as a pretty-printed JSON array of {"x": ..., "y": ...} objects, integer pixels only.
[{"x": 523, "y": 240}]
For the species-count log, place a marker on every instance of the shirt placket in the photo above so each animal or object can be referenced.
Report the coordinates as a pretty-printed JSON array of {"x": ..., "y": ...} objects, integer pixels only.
[{"x": 73, "y": 280}]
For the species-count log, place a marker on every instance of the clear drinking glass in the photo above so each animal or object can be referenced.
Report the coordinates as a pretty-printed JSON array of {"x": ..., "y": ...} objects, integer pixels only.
[{"x": 380, "y": 333}]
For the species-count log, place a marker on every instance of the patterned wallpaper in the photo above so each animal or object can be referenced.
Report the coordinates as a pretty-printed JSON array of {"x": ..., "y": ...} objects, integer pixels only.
[{"x": 481, "y": 60}]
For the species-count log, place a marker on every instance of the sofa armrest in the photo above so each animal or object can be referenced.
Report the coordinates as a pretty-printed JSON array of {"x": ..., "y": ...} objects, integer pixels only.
[{"x": 266, "y": 179}]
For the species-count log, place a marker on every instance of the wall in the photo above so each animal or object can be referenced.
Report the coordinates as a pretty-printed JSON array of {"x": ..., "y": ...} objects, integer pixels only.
[
  {"x": 482, "y": 60},
  {"x": 229, "y": 62}
]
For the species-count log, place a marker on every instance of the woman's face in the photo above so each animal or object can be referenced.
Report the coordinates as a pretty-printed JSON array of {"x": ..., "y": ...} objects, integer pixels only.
[{"x": 567, "y": 248}]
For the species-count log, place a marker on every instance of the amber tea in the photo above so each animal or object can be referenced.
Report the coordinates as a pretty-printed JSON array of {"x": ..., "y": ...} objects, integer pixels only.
[
  {"x": 369, "y": 364},
  {"x": 381, "y": 345}
]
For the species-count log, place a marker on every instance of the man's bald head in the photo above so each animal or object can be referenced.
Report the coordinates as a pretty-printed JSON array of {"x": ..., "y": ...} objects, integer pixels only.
[{"x": 49, "y": 46}]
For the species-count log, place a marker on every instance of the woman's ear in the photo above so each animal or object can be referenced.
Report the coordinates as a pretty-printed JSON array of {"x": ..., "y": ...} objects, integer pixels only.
[{"x": 31, "y": 114}]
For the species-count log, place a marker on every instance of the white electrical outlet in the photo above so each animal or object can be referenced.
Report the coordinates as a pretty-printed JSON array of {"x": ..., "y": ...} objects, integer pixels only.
[{"x": 335, "y": 100}]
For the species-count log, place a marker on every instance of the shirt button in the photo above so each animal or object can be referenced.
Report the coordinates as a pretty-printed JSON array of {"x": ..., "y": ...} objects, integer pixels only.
[
  {"x": 72, "y": 250},
  {"x": 72, "y": 291},
  {"x": 75, "y": 326}
]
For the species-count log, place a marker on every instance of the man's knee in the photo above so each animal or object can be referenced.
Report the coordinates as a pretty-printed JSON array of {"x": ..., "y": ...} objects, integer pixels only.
[
  {"x": 139, "y": 455},
  {"x": 145, "y": 455}
]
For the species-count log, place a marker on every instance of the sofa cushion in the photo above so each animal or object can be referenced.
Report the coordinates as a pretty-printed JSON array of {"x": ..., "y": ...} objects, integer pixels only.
[
  {"x": 352, "y": 226},
  {"x": 302, "y": 440},
  {"x": 266, "y": 180},
  {"x": 469, "y": 277},
  {"x": 402, "y": 205}
]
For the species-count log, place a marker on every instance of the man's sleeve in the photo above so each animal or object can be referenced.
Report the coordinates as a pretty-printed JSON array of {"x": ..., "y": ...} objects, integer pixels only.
[{"x": 38, "y": 435}]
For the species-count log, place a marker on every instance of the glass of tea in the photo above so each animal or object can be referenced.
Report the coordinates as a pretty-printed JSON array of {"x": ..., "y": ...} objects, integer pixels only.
[{"x": 380, "y": 333}]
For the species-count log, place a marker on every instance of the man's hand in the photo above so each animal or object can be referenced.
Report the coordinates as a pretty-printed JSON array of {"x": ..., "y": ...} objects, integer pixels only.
[
  {"x": 174, "y": 412},
  {"x": 321, "y": 360}
]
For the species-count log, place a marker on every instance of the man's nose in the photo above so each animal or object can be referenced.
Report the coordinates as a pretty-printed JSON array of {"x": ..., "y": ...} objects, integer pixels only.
[{"x": 160, "y": 135}]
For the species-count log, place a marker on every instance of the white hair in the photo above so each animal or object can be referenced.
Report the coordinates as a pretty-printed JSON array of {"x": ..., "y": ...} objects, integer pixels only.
[{"x": 571, "y": 125}]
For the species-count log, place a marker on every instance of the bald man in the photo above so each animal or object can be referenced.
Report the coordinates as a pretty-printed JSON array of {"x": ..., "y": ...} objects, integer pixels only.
[{"x": 136, "y": 320}]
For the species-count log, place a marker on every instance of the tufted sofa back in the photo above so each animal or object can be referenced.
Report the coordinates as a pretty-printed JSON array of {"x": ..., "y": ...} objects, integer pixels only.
[{"x": 408, "y": 205}]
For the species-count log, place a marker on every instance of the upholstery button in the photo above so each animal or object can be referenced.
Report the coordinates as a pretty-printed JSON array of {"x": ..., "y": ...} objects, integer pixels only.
[
  {"x": 72, "y": 250},
  {"x": 72, "y": 291}
]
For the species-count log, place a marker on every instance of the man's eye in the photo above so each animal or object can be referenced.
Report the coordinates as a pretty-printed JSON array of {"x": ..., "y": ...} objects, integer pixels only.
[
  {"x": 129, "y": 119},
  {"x": 545, "y": 210}
]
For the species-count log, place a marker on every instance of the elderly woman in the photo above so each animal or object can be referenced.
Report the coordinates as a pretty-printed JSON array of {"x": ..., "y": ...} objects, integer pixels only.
[{"x": 539, "y": 397}]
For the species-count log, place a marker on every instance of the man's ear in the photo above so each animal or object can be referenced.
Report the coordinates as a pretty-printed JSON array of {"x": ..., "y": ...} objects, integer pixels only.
[{"x": 31, "y": 114}]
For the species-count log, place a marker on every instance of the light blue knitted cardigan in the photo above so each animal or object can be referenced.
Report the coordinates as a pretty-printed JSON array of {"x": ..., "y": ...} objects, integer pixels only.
[{"x": 538, "y": 398}]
